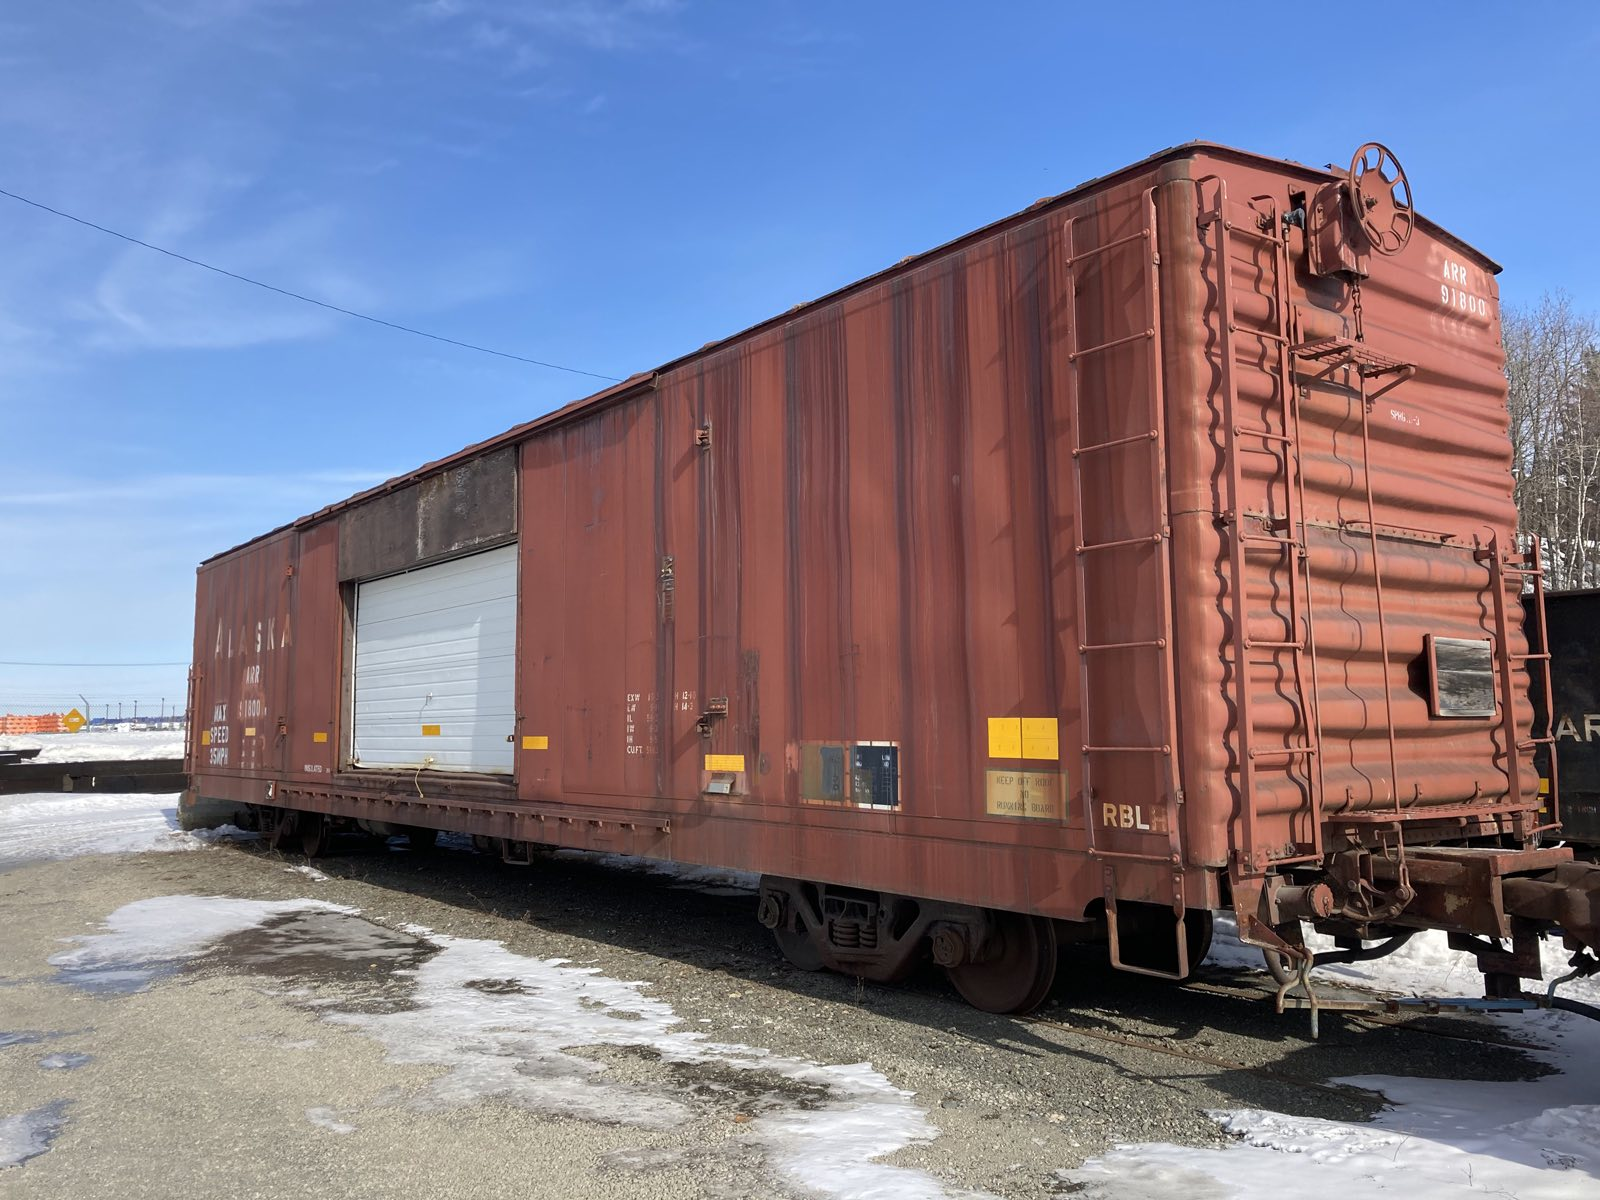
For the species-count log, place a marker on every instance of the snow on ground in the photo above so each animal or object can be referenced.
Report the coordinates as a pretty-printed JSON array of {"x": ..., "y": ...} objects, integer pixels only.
[
  {"x": 715, "y": 881},
  {"x": 507, "y": 1026},
  {"x": 326, "y": 1118},
  {"x": 41, "y": 826},
  {"x": 1424, "y": 966},
  {"x": 95, "y": 745},
  {"x": 150, "y": 938},
  {"x": 512, "y": 1028},
  {"x": 54, "y": 825},
  {"x": 29, "y": 1134},
  {"x": 1535, "y": 1140}
]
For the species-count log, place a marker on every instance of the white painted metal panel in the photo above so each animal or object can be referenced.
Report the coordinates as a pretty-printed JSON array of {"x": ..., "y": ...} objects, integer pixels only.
[{"x": 435, "y": 666}]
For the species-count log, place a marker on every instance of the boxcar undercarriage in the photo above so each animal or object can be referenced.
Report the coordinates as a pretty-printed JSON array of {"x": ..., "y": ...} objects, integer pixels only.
[{"x": 1495, "y": 903}]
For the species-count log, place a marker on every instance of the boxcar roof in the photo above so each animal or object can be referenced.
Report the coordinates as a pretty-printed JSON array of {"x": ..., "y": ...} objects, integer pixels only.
[{"x": 644, "y": 379}]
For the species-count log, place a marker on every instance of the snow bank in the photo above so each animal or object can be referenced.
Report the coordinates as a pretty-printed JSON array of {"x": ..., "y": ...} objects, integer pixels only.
[
  {"x": 55, "y": 825},
  {"x": 94, "y": 745}
]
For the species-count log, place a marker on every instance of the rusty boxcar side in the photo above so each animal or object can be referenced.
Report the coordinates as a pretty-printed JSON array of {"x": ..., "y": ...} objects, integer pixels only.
[{"x": 1119, "y": 553}]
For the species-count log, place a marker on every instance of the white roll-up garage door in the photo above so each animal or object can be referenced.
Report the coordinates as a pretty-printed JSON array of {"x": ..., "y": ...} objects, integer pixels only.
[{"x": 435, "y": 666}]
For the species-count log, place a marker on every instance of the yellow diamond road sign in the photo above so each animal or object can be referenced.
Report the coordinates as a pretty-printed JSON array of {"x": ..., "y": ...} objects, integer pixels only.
[{"x": 74, "y": 721}]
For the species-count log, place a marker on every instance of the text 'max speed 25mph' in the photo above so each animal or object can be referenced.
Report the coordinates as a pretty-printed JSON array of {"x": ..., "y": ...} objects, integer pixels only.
[{"x": 1146, "y": 553}]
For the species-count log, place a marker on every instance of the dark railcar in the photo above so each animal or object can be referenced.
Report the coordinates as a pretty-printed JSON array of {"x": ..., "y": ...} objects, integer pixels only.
[
  {"x": 1148, "y": 552},
  {"x": 1573, "y": 622}
]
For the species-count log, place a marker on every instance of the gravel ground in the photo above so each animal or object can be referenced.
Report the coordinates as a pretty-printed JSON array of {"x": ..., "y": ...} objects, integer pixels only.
[{"x": 225, "y": 1077}]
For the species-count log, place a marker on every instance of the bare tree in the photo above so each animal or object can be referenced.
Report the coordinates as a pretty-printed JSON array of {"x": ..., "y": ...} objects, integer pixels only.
[{"x": 1553, "y": 368}]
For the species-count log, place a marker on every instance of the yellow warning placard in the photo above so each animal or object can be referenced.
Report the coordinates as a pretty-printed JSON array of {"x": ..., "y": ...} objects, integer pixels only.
[
  {"x": 1040, "y": 738},
  {"x": 1041, "y": 795},
  {"x": 430, "y": 731},
  {"x": 1005, "y": 737},
  {"x": 724, "y": 762},
  {"x": 205, "y": 737},
  {"x": 320, "y": 736},
  {"x": 535, "y": 742},
  {"x": 74, "y": 721}
]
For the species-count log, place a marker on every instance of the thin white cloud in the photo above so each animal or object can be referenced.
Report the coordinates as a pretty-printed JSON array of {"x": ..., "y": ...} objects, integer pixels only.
[
  {"x": 524, "y": 34},
  {"x": 150, "y": 301}
]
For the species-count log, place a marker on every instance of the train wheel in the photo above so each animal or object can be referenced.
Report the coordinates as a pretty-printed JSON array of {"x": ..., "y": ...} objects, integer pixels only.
[
  {"x": 800, "y": 948},
  {"x": 1017, "y": 975},
  {"x": 419, "y": 838},
  {"x": 284, "y": 827},
  {"x": 316, "y": 831}
]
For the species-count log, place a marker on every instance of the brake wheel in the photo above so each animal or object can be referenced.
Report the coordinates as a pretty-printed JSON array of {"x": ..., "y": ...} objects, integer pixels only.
[{"x": 1381, "y": 194}]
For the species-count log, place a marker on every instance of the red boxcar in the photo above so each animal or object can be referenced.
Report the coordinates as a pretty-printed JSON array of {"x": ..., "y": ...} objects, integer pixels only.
[{"x": 1147, "y": 552}]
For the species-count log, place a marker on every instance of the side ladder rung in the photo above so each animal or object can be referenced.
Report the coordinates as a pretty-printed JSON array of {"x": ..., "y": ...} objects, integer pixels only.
[
  {"x": 1261, "y": 235},
  {"x": 1105, "y": 247},
  {"x": 1264, "y": 434},
  {"x": 1285, "y": 752},
  {"x": 1148, "y": 436},
  {"x": 1253, "y": 644},
  {"x": 1265, "y": 539},
  {"x": 1152, "y": 643},
  {"x": 1127, "y": 749},
  {"x": 1147, "y": 540},
  {"x": 1250, "y": 331},
  {"x": 1121, "y": 341}
]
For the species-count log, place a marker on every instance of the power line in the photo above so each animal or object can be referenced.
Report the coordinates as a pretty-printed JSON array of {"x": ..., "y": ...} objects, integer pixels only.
[
  {"x": 8, "y": 663},
  {"x": 349, "y": 312}
]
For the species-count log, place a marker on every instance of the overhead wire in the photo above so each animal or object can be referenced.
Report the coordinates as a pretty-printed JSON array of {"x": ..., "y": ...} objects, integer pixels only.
[
  {"x": 10, "y": 663},
  {"x": 293, "y": 295}
]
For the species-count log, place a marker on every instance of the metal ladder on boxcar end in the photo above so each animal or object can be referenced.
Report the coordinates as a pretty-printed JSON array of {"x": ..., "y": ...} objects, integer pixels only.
[
  {"x": 1283, "y": 538},
  {"x": 1090, "y": 546},
  {"x": 1522, "y": 567}
]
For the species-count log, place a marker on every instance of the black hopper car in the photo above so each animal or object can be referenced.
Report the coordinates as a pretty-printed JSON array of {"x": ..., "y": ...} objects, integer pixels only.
[{"x": 1573, "y": 620}]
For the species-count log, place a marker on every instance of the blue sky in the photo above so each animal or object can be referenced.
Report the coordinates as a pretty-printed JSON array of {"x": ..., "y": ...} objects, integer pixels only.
[{"x": 600, "y": 184}]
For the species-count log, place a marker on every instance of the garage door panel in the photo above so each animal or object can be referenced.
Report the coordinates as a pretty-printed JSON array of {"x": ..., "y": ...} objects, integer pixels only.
[{"x": 435, "y": 666}]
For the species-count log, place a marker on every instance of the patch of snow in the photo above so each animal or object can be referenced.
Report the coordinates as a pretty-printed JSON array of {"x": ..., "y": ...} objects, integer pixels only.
[
  {"x": 153, "y": 937},
  {"x": 716, "y": 881},
  {"x": 1536, "y": 1140},
  {"x": 1424, "y": 966},
  {"x": 29, "y": 1134},
  {"x": 512, "y": 1028},
  {"x": 326, "y": 1118},
  {"x": 54, "y": 825},
  {"x": 69, "y": 1060},
  {"x": 98, "y": 745},
  {"x": 23, "y": 1037},
  {"x": 225, "y": 833},
  {"x": 308, "y": 871}
]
